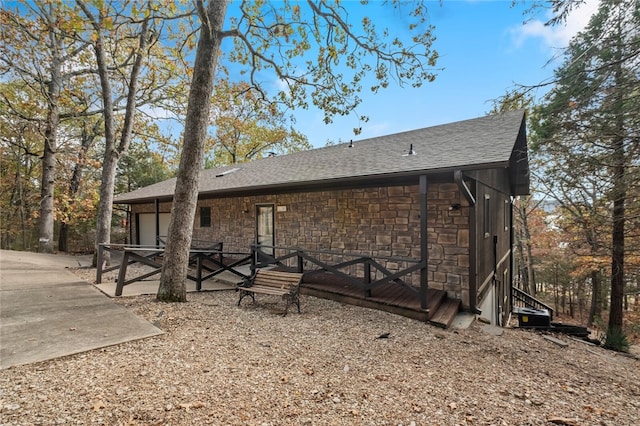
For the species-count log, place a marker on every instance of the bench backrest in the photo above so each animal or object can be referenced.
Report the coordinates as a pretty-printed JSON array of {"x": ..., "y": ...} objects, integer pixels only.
[{"x": 276, "y": 279}]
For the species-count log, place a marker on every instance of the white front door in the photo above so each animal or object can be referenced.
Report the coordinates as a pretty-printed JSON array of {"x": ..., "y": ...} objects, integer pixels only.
[{"x": 147, "y": 227}]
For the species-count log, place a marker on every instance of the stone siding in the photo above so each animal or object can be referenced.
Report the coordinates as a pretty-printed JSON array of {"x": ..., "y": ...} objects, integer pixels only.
[{"x": 381, "y": 221}]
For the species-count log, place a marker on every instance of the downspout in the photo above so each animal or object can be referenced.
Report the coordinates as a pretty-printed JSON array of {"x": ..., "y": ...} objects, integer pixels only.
[
  {"x": 496, "y": 310},
  {"x": 130, "y": 223},
  {"x": 464, "y": 189},
  {"x": 513, "y": 258},
  {"x": 468, "y": 195},
  {"x": 424, "y": 244},
  {"x": 157, "y": 217}
]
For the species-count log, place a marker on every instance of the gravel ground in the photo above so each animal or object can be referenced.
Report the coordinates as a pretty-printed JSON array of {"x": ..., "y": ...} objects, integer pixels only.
[{"x": 223, "y": 365}]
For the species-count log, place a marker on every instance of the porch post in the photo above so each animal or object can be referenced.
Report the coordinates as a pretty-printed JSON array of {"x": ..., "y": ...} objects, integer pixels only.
[
  {"x": 157, "y": 217},
  {"x": 424, "y": 247}
]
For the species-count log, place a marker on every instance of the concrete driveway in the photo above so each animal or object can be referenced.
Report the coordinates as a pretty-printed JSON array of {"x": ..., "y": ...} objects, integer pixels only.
[{"x": 47, "y": 312}]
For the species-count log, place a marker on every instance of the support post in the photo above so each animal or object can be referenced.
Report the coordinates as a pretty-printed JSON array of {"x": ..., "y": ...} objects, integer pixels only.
[
  {"x": 367, "y": 278},
  {"x": 424, "y": 246},
  {"x": 254, "y": 255},
  {"x": 99, "y": 264},
  {"x": 157, "y": 218},
  {"x": 122, "y": 274},
  {"x": 199, "y": 271},
  {"x": 300, "y": 262}
]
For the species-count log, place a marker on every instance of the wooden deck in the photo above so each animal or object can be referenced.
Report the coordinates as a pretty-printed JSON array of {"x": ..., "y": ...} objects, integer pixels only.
[{"x": 389, "y": 297}]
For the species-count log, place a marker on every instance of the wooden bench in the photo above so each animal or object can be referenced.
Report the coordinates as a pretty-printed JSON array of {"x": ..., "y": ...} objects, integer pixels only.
[{"x": 285, "y": 284}]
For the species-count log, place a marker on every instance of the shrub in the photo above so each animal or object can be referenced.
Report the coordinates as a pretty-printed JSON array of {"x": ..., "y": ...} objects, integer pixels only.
[{"x": 616, "y": 340}]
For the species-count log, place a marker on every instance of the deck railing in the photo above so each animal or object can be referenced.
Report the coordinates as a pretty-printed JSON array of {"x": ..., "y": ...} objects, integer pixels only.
[
  {"x": 363, "y": 271},
  {"x": 206, "y": 263},
  {"x": 522, "y": 299}
]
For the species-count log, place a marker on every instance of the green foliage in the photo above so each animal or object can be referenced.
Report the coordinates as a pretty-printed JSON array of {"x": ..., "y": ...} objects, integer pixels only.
[
  {"x": 248, "y": 127},
  {"x": 327, "y": 52},
  {"x": 585, "y": 150},
  {"x": 616, "y": 340},
  {"x": 141, "y": 166}
]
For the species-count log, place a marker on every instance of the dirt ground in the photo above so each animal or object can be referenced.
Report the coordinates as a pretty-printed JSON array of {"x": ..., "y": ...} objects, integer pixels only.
[{"x": 224, "y": 365}]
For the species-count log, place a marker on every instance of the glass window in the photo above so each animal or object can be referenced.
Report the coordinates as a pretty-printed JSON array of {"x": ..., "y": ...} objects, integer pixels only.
[{"x": 205, "y": 217}]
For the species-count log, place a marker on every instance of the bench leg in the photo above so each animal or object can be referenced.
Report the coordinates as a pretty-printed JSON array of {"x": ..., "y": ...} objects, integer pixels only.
[
  {"x": 287, "y": 298},
  {"x": 291, "y": 298},
  {"x": 244, "y": 293}
]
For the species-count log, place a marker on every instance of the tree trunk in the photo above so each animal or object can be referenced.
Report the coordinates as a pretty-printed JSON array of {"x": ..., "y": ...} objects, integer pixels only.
[
  {"x": 105, "y": 205},
  {"x": 63, "y": 237},
  {"x": 45, "y": 241},
  {"x": 526, "y": 238},
  {"x": 619, "y": 194},
  {"x": 174, "y": 269},
  {"x": 595, "y": 297},
  {"x": 74, "y": 186},
  {"x": 112, "y": 152},
  {"x": 617, "y": 256}
]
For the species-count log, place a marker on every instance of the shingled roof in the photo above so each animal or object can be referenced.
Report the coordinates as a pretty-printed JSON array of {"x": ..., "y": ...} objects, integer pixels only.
[{"x": 495, "y": 141}]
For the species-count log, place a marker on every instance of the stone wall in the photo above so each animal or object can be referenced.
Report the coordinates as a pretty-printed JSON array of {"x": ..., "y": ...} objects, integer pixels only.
[{"x": 373, "y": 221}]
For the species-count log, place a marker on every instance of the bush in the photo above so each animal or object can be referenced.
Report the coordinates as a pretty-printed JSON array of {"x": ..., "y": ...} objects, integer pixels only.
[{"x": 616, "y": 340}]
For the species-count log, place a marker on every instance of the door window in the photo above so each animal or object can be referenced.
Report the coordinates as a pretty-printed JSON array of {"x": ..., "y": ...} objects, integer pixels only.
[{"x": 264, "y": 228}]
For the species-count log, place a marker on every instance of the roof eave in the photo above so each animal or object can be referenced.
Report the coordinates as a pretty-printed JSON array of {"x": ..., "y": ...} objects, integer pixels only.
[{"x": 370, "y": 179}]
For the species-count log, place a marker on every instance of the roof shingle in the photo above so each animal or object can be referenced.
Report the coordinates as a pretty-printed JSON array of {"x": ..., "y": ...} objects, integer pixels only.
[{"x": 471, "y": 144}]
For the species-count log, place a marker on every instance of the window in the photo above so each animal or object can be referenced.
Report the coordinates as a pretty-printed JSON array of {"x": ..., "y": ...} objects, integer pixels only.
[
  {"x": 487, "y": 216},
  {"x": 205, "y": 217}
]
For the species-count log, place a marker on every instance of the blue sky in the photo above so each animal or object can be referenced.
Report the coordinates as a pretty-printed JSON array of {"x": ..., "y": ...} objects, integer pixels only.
[{"x": 485, "y": 49}]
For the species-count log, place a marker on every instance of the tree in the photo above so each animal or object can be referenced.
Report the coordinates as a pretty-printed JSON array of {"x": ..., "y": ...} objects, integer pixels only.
[
  {"x": 247, "y": 129},
  {"x": 44, "y": 53},
  {"x": 303, "y": 45},
  {"x": 174, "y": 268},
  {"x": 589, "y": 130},
  {"x": 87, "y": 135},
  {"x": 141, "y": 166},
  {"x": 20, "y": 149},
  {"x": 125, "y": 43}
]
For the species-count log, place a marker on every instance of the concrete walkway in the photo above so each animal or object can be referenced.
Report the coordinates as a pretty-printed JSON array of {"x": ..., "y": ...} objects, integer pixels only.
[{"x": 47, "y": 312}]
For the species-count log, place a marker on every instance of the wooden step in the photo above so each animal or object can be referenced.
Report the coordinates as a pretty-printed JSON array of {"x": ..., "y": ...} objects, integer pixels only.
[
  {"x": 435, "y": 299},
  {"x": 446, "y": 313}
]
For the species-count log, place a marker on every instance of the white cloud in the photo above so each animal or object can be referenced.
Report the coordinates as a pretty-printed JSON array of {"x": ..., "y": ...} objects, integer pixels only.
[{"x": 557, "y": 36}]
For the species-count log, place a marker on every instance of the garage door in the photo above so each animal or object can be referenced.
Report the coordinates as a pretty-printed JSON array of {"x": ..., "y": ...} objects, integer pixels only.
[{"x": 147, "y": 227}]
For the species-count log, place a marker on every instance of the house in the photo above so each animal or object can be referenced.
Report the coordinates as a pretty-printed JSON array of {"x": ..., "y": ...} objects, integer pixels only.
[{"x": 370, "y": 197}]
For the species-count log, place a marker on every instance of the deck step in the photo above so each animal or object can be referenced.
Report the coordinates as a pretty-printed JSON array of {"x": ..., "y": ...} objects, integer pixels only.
[
  {"x": 446, "y": 313},
  {"x": 435, "y": 299}
]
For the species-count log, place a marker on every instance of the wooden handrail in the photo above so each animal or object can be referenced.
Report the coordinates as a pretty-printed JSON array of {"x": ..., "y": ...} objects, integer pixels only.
[
  {"x": 528, "y": 301},
  {"x": 366, "y": 284}
]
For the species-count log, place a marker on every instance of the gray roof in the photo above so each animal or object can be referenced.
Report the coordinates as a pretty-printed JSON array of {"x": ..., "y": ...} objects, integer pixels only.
[{"x": 480, "y": 143}]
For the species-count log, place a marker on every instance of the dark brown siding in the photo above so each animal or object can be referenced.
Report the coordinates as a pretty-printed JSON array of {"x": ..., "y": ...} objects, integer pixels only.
[{"x": 493, "y": 241}]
